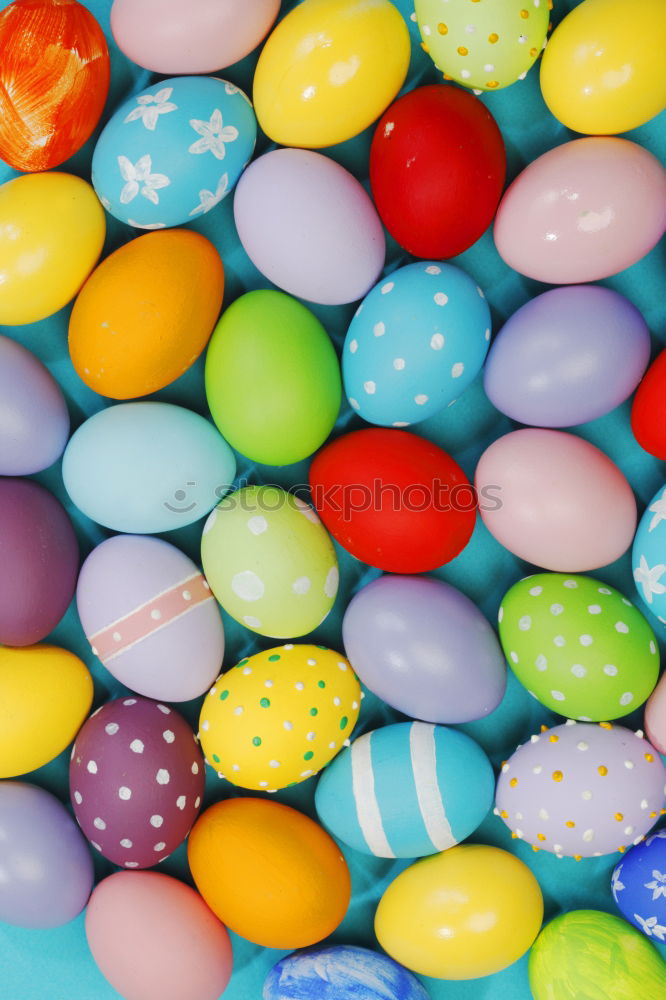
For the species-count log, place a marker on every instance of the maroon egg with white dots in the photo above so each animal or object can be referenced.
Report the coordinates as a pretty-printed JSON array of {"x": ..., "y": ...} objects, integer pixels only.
[{"x": 136, "y": 781}]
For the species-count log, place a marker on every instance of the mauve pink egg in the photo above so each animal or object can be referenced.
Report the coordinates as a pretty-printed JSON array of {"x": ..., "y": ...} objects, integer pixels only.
[
  {"x": 655, "y": 716},
  {"x": 557, "y": 501},
  {"x": 153, "y": 936}
]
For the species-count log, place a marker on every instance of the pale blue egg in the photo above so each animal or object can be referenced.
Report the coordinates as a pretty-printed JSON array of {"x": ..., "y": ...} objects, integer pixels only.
[
  {"x": 147, "y": 467},
  {"x": 341, "y": 972},
  {"x": 173, "y": 152},
  {"x": 649, "y": 556},
  {"x": 415, "y": 343}
]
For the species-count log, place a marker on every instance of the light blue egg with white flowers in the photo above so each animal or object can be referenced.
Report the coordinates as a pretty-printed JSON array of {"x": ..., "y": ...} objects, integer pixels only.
[
  {"x": 649, "y": 557},
  {"x": 172, "y": 153},
  {"x": 415, "y": 343}
]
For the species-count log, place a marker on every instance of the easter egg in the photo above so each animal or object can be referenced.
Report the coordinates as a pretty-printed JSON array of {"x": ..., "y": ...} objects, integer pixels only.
[
  {"x": 39, "y": 561},
  {"x": 578, "y": 646},
  {"x": 150, "y": 617},
  {"x": 339, "y": 971},
  {"x": 159, "y": 160},
  {"x": 468, "y": 912},
  {"x": 602, "y": 71},
  {"x": 169, "y": 36},
  {"x": 415, "y": 344},
  {"x": 269, "y": 562},
  {"x": 582, "y": 211},
  {"x": 393, "y": 500},
  {"x": 403, "y": 791},
  {"x": 47, "y": 867},
  {"x": 34, "y": 418},
  {"x": 279, "y": 716},
  {"x": 649, "y": 556},
  {"x": 589, "y": 953},
  {"x": 52, "y": 234},
  {"x": 648, "y": 412},
  {"x": 151, "y": 935},
  {"x": 580, "y": 790},
  {"x": 329, "y": 69},
  {"x": 147, "y": 467},
  {"x": 567, "y": 356},
  {"x": 488, "y": 47},
  {"x": 639, "y": 886},
  {"x": 45, "y": 695},
  {"x": 437, "y": 166},
  {"x": 270, "y": 873},
  {"x": 309, "y": 226},
  {"x": 145, "y": 314},
  {"x": 655, "y": 717},
  {"x": 271, "y": 342},
  {"x": 54, "y": 79},
  {"x": 563, "y": 504},
  {"x": 136, "y": 779},
  {"x": 406, "y": 637}
]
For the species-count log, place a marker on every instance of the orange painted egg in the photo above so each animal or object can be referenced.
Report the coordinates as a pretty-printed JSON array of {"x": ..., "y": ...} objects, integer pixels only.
[
  {"x": 54, "y": 78},
  {"x": 145, "y": 314}
]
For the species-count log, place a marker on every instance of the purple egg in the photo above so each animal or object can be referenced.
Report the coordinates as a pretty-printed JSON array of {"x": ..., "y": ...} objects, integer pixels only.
[
  {"x": 136, "y": 779},
  {"x": 46, "y": 871},
  {"x": 425, "y": 649},
  {"x": 567, "y": 356},
  {"x": 150, "y": 617},
  {"x": 34, "y": 422},
  {"x": 39, "y": 560}
]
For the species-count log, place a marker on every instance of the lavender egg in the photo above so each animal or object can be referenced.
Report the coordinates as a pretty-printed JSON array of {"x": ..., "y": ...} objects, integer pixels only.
[
  {"x": 582, "y": 790},
  {"x": 136, "y": 780}
]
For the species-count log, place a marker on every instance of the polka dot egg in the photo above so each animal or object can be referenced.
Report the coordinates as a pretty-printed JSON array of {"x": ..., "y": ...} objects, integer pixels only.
[
  {"x": 582, "y": 790},
  {"x": 485, "y": 45},
  {"x": 416, "y": 342},
  {"x": 279, "y": 716},
  {"x": 136, "y": 780},
  {"x": 578, "y": 646}
]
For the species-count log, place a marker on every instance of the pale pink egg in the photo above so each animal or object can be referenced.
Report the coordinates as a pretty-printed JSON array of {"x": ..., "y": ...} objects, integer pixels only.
[{"x": 655, "y": 716}]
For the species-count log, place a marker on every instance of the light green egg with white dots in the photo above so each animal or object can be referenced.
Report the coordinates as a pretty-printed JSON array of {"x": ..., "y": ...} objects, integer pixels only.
[
  {"x": 270, "y": 562},
  {"x": 579, "y": 646},
  {"x": 483, "y": 44}
]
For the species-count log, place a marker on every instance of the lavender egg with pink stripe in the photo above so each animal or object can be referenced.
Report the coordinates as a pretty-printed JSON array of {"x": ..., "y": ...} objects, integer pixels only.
[
  {"x": 136, "y": 780},
  {"x": 150, "y": 617}
]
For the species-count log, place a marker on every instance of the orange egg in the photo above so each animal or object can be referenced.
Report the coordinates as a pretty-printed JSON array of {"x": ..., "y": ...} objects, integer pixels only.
[
  {"x": 146, "y": 313},
  {"x": 271, "y": 874}
]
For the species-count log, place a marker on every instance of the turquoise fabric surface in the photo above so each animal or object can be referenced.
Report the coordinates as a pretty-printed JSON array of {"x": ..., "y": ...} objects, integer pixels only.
[{"x": 56, "y": 964}]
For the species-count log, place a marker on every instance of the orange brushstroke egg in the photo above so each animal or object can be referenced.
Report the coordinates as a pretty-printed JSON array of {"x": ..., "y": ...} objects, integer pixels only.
[{"x": 54, "y": 78}]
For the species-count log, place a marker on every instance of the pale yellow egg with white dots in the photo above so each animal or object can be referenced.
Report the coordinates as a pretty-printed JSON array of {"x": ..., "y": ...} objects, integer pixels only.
[{"x": 280, "y": 716}]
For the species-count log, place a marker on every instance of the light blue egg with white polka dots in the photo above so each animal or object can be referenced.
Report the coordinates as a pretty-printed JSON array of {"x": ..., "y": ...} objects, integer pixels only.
[
  {"x": 416, "y": 342},
  {"x": 649, "y": 557},
  {"x": 173, "y": 152}
]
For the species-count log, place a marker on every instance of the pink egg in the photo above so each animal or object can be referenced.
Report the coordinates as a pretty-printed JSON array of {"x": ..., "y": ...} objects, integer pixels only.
[
  {"x": 150, "y": 617},
  {"x": 583, "y": 211},
  {"x": 555, "y": 500},
  {"x": 153, "y": 936},
  {"x": 655, "y": 716}
]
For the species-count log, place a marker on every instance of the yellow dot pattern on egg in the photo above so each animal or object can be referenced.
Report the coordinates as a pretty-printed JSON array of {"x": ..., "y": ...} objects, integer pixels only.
[
  {"x": 602, "y": 770},
  {"x": 462, "y": 51},
  {"x": 442, "y": 29},
  {"x": 558, "y": 775},
  {"x": 570, "y": 823},
  {"x": 513, "y": 782},
  {"x": 493, "y": 38},
  {"x": 553, "y": 738}
]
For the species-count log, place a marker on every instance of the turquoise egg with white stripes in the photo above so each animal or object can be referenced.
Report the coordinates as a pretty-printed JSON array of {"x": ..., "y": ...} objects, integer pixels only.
[
  {"x": 171, "y": 153},
  {"x": 649, "y": 557},
  {"x": 406, "y": 791}
]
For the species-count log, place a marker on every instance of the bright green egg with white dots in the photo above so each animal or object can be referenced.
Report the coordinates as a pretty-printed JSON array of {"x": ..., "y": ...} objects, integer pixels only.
[{"x": 578, "y": 645}]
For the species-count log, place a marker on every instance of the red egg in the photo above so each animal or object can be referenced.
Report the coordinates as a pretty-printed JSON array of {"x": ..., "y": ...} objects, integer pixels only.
[
  {"x": 393, "y": 499},
  {"x": 437, "y": 166},
  {"x": 648, "y": 414}
]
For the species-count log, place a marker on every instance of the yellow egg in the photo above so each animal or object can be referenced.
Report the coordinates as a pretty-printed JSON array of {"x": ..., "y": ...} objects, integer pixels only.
[
  {"x": 45, "y": 695},
  {"x": 603, "y": 68},
  {"x": 329, "y": 69},
  {"x": 279, "y": 716},
  {"x": 51, "y": 233}
]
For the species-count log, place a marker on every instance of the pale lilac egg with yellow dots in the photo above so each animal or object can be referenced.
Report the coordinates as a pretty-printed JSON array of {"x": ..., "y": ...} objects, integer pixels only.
[{"x": 278, "y": 717}]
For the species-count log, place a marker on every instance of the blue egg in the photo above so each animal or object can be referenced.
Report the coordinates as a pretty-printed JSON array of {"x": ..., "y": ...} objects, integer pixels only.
[
  {"x": 406, "y": 790},
  {"x": 649, "y": 556},
  {"x": 341, "y": 972},
  {"x": 639, "y": 886},
  {"x": 174, "y": 151},
  {"x": 416, "y": 342}
]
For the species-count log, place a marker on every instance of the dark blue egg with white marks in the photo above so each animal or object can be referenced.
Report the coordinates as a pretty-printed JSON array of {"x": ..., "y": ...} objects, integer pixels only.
[{"x": 639, "y": 886}]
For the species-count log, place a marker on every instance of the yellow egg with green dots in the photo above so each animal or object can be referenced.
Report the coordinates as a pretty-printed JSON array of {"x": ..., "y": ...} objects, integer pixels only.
[{"x": 280, "y": 716}]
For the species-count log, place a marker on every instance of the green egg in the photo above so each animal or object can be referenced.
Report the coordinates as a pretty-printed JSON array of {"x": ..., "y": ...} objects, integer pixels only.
[
  {"x": 484, "y": 44},
  {"x": 590, "y": 955},
  {"x": 272, "y": 378},
  {"x": 578, "y": 645}
]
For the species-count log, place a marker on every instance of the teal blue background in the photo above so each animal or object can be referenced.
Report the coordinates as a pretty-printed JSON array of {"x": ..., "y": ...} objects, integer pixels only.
[{"x": 56, "y": 965}]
